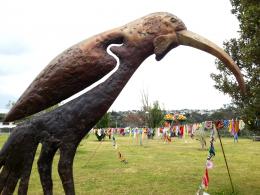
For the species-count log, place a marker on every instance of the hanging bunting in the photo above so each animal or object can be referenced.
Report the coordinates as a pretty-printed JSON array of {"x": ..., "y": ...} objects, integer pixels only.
[
  {"x": 205, "y": 180},
  {"x": 209, "y": 165}
]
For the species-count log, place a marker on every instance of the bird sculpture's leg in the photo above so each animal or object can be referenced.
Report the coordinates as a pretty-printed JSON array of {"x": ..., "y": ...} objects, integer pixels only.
[
  {"x": 25, "y": 177},
  {"x": 11, "y": 182},
  {"x": 16, "y": 159},
  {"x": 15, "y": 174},
  {"x": 45, "y": 166},
  {"x": 3, "y": 177},
  {"x": 65, "y": 168}
]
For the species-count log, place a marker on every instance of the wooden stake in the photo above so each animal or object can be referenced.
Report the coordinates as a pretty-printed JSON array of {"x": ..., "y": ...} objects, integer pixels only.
[{"x": 222, "y": 148}]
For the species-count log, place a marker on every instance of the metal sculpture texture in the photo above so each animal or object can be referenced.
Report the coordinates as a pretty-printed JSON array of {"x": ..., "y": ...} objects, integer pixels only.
[{"x": 75, "y": 69}]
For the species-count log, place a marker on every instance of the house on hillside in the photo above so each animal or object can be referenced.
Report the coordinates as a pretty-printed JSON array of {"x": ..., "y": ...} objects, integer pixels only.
[{"x": 5, "y": 127}]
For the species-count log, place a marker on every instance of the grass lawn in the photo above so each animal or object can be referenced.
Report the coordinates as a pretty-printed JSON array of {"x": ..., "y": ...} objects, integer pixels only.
[{"x": 157, "y": 168}]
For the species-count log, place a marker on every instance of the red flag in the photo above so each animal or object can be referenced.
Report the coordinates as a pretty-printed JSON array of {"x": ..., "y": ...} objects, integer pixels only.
[{"x": 205, "y": 179}]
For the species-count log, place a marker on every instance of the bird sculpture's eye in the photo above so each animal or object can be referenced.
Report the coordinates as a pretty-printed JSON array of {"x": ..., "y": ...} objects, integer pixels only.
[{"x": 173, "y": 20}]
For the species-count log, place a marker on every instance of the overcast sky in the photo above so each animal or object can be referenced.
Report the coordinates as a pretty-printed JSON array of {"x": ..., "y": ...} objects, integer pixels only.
[{"x": 33, "y": 32}]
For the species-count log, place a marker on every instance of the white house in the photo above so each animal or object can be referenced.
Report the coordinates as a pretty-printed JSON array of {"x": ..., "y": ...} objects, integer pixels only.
[{"x": 7, "y": 125}]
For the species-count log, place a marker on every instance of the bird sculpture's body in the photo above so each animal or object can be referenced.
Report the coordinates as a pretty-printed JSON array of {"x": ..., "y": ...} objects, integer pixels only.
[{"x": 72, "y": 71}]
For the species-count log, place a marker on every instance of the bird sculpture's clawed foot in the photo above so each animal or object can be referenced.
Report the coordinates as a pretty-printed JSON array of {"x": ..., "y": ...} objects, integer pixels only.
[
  {"x": 16, "y": 159},
  {"x": 48, "y": 150},
  {"x": 65, "y": 166}
]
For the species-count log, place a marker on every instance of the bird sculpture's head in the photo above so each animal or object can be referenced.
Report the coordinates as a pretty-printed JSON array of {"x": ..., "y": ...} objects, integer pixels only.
[
  {"x": 159, "y": 29},
  {"x": 166, "y": 31},
  {"x": 88, "y": 61}
]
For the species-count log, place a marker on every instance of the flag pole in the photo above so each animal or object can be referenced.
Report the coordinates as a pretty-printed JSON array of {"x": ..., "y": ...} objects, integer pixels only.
[{"x": 222, "y": 148}]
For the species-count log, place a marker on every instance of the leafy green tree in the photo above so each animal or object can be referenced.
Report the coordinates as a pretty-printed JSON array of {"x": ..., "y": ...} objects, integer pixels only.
[
  {"x": 116, "y": 119},
  {"x": 104, "y": 122},
  {"x": 195, "y": 117},
  {"x": 155, "y": 115},
  {"x": 245, "y": 51},
  {"x": 224, "y": 113},
  {"x": 135, "y": 119},
  {"x": 2, "y": 116}
]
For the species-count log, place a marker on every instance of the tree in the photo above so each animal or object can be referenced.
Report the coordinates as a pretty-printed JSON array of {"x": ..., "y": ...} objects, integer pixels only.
[
  {"x": 104, "y": 122},
  {"x": 2, "y": 116},
  {"x": 153, "y": 114},
  {"x": 145, "y": 101},
  {"x": 245, "y": 51},
  {"x": 224, "y": 113},
  {"x": 134, "y": 119}
]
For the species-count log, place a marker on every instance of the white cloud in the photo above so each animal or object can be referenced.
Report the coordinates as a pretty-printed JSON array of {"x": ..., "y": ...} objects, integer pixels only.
[{"x": 12, "y": 47}]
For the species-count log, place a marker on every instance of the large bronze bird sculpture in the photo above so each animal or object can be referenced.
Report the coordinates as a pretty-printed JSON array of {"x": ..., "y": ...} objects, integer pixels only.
[{"x": 70, "y": 72}]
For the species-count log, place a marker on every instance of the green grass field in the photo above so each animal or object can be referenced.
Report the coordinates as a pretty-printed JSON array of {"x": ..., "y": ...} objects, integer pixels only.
[{"x": 157, "y": 168}]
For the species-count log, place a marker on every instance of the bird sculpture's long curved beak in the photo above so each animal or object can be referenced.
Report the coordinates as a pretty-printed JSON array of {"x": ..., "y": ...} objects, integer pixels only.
[{"x": 192, "y": 39}]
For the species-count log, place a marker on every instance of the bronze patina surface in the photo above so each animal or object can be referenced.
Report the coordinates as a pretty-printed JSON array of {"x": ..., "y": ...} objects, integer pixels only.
[{"x": 76, "y": 68}]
